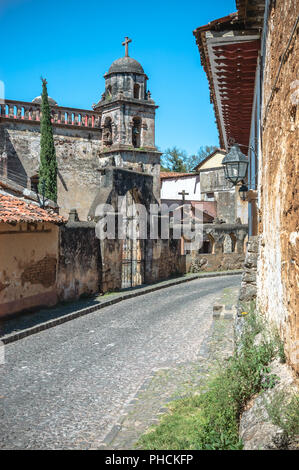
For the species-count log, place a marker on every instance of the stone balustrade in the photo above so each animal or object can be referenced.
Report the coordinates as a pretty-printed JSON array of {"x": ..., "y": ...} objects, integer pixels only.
[{"x": 28, "y": 111}]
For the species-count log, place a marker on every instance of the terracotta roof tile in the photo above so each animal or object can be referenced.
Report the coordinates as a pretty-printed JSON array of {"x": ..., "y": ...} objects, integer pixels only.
[
  {"x": 173, "y": 174},
  {"x": 15, "y": 210}
]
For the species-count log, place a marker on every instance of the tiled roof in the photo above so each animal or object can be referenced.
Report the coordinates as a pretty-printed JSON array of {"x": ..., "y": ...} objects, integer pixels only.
[
  {"x": 173, "y": 174},
  {"x": 14, "y": 210},
  {"x": 219, "y": 62}
]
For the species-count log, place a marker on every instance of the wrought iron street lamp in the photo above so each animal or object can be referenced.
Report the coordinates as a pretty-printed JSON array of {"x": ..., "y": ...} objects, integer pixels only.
[
  {"x": 243, "y": 191},
  {"x": 235, "y": 165}
]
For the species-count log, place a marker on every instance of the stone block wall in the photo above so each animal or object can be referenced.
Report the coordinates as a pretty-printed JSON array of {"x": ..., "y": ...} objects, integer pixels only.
[
  {"x": 248, "y": 284},
  {"x": 278, "y": 264}
]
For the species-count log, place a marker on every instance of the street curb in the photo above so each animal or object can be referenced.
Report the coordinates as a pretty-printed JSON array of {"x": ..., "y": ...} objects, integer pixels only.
[{"x": 10, "y": 338}]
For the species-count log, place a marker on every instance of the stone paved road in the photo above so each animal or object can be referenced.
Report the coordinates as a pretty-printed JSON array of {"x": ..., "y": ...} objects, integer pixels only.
[{"x": 65, "y": 388}]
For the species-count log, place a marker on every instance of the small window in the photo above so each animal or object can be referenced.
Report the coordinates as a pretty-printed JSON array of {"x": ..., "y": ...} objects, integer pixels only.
[
  {"x": 136, "y": 131},
  {"x": 109, "y": 91},
  {"x": 136, "y": 91},
  {"x": 107, "y": 132},
  {"x": 34, "y": 180},
  {"x": 210, "y": 197},
  {"x": 208, "y": 245},
  {"x": 206, "y": 248}
]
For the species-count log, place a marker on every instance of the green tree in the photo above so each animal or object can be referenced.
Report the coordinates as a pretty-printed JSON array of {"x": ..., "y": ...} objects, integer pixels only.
[
  {"x": 174, "y": 160},
  {"x": 48, "y": 164},
  {"x": 203, "y": 152}
]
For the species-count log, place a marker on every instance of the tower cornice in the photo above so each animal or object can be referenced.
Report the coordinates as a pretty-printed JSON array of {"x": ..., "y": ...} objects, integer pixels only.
[{"x": 118, "y": 101}]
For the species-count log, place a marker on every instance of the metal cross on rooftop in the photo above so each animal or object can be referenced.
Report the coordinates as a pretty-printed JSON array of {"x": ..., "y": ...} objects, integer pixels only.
[
  {"x": 183, "y": 194},
  {"x": 126, "y": 44}
]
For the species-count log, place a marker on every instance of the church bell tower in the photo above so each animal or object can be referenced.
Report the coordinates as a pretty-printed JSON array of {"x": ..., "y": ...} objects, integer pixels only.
[
  {"x": 128, "y": 130},
  {"x": 128, "y": 112}
]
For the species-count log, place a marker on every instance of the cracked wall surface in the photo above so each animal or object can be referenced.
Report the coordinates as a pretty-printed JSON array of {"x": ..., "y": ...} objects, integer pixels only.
[{"x": 278, "y": 268}]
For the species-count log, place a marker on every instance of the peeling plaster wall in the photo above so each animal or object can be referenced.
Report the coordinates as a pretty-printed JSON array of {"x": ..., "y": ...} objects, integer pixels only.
[
  {"x": 79, "y": 261},
  {"x": 28, "y": 266},
  {"x": 77, "y": 153},
  {"x": 277, "y": 276}
]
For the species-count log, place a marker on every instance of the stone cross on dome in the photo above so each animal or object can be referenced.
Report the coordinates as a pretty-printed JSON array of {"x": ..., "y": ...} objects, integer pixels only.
[{"x": 126, "y": 44}]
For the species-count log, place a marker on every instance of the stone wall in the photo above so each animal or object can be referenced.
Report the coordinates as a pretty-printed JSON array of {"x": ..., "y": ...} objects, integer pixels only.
[
  {"x": 227, "y": 248},
  {"x": 163, "y": 260},
  {"x": 80, "y": 162},
  {"x": 138, "y": 161},
  {"x": 29, "y": 259},
  {"x": 213, "y": 181},
  {"x": 248, "y": 284},
  {"x": 216, "y": 262},
  {"x": 277, "y": 293},
  {"x": 79, "y": 268},
  {"x": 77, "y": 152},
  {"x": 122, "y": 123}
]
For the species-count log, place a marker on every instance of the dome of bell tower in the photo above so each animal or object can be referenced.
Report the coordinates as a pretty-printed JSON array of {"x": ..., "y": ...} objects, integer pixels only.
[{"x": 126, "y": 65}]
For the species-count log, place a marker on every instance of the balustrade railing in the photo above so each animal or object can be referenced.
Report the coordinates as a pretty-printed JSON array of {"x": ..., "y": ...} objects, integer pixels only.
[{"x": 27, "y": 111}]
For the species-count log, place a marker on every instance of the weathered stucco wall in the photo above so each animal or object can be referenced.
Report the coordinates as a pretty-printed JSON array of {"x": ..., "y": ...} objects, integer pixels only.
[
  {"x": 163, "y": 259},
  {"x": 79, "y": 261},
  {"x": 77, "y": 153},
  {"x": 28, "y": 266},
  {"x": 277, "y": 292},
  {"x": 79, "y": 158},
  {"x": 213, "y": 181}
]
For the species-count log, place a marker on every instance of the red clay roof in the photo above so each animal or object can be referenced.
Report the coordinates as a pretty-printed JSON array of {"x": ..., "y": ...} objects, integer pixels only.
[
  {"x": 234, "y": 73},
  {"x": 219, "y": 21},
  {"x": 174, "y": 174},
  {"x": 15, "y": 210}
]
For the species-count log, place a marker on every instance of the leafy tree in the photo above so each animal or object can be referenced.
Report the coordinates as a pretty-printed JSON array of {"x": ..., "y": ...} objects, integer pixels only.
[
  {"x": 164, "y": 169},
  {"x": 48, "y": 164},
  {"x": 174, "y": 160},
  {"x": 202, "y": 153}
]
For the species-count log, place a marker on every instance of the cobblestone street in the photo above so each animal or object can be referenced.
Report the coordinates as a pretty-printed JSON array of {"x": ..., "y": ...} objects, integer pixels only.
[{"x": 102, "y": 379}]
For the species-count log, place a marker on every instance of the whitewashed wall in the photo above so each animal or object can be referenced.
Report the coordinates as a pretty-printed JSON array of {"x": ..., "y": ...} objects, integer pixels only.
[{"x": 170, "y": 187}]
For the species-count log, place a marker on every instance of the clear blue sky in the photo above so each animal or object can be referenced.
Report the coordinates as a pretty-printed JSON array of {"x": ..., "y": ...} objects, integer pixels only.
[{"x": 72, "y": 43}]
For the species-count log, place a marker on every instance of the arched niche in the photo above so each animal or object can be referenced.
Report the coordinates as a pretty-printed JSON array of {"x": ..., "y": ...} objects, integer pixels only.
[
  {"x": 136, "y": 91},
  {"x": 136, "y": 132},
  {"x": 208, "y": 245},
  {"x": 227, "y": 244},
  {"x": 234, "y": 241},
  {"x": 107, "y": 131}
]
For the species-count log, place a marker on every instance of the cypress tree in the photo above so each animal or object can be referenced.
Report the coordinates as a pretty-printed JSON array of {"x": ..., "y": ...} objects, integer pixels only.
[{"x": 48, "y": 164}]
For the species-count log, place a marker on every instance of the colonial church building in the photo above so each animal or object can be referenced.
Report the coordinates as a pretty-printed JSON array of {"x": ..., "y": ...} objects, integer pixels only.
[
  {"x": 103, "y": 154},
  {"x": 100, "y": 152}
]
